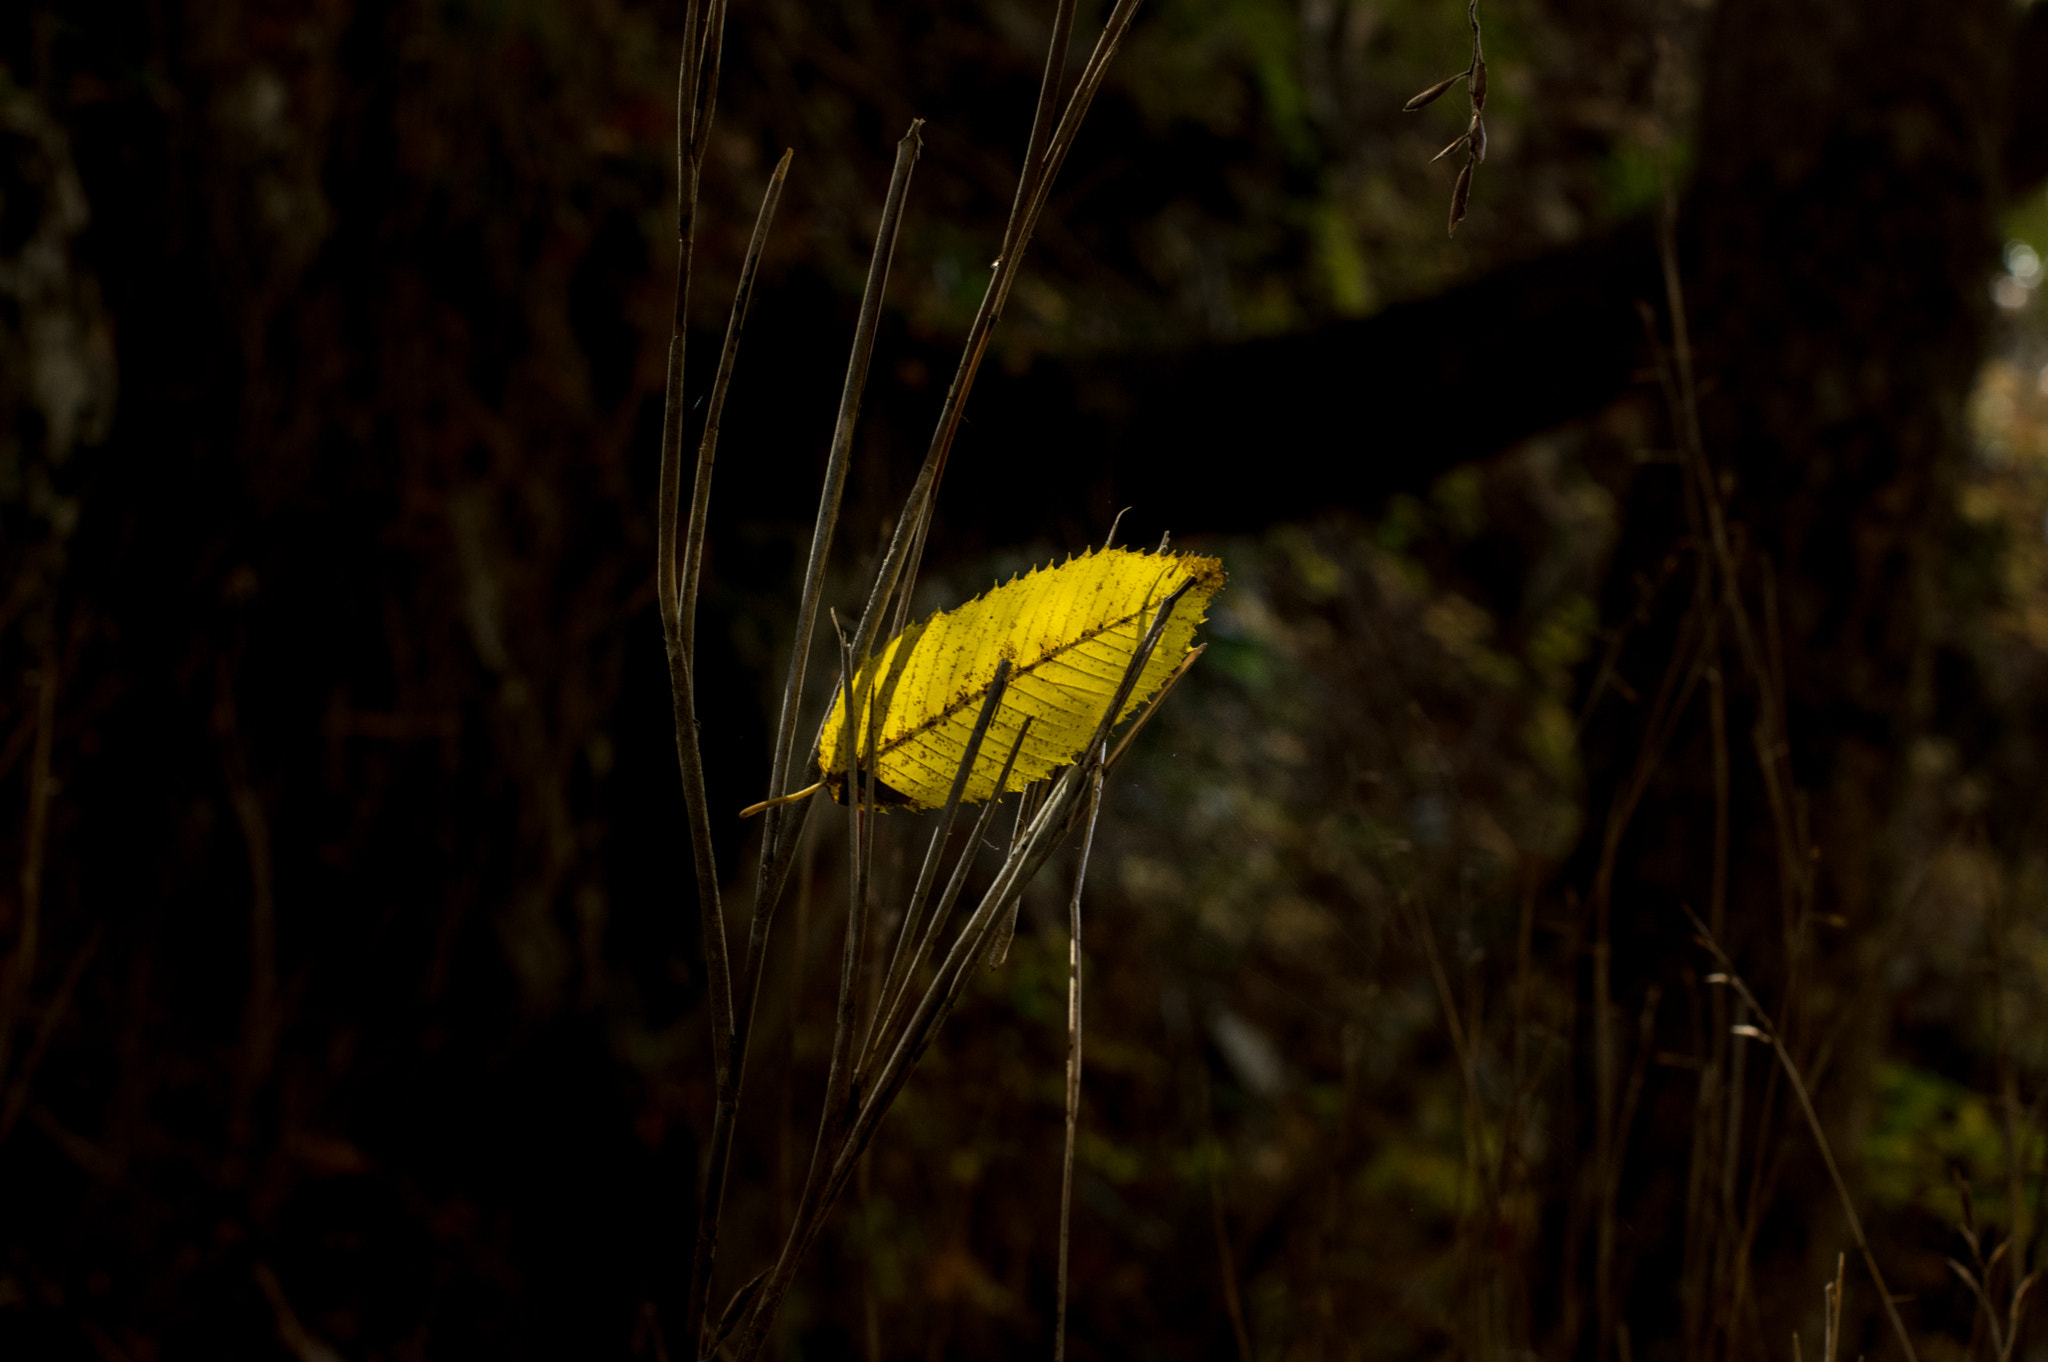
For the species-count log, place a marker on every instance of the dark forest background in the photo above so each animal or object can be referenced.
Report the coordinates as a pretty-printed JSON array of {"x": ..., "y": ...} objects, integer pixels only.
[{"x": 352, "y": 1004}]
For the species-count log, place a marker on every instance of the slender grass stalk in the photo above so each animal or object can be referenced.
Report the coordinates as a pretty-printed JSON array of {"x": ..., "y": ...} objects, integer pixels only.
[
  {"x": 676, "y": 580},
  {"x": 707, "y": 444},
  {"x": 669, "y": 493},
  {"x": 969, "y": 946},
  {"x": 1687, "y": 666},
  {"x": 1771, "y": 1038},
  {"x": 838, "y": 1145},
  {"x": 1130, "y": 734},
  {"x": 1762, "y": 658},
  {"x": 1027, "y": 809},
  {"x": 943, "y": 909},
  {"x": 1054, "y": 820},
  {"x": 850, "y": 1114},
  {"x": 1682, "y": 389},
  {"x": 1035, "y": 176},
  {"x": 840, "y": 1142},
  {"x": 46, "y": 1030},
  {"x": 1831, "y": 1296},
  {"x": 1233, "y": 1304},
  {"x": 900, "y": 562},
  {"x": 20, "y": 965},
  {"x": 859, "y": 812},
  {"x": 1059, "y": 1336},
  {"x": 837, "y": 463},
  {"x": 728, "y": 1056},
  {"x": 899, "y": 963},
  {"x": 1610, "y": 1191}
]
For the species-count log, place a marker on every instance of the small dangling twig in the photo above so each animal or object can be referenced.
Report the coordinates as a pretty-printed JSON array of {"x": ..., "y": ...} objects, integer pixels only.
[{"x": 1473, "y": 140}]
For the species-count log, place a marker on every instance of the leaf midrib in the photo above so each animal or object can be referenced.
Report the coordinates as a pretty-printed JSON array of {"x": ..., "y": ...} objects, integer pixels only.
[{"x": 978, "y": 694}]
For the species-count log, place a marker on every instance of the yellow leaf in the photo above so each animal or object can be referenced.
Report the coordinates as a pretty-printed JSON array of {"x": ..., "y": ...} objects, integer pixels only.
[{"x": 1070, "y": 633}]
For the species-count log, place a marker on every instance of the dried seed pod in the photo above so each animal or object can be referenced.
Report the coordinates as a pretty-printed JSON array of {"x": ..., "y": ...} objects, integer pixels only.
[
  {"x": 1458, "y": 145},
  {"x": 1476, "y": 134},
  {"x": 1478, "y": 84},
  {"x": 1429, "y": 96},
  {"x": 1459, "y": 193}
]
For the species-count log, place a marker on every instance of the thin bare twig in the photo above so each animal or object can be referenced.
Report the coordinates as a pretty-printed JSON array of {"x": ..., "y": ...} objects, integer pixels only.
[{"x": 1472, "y": 141}]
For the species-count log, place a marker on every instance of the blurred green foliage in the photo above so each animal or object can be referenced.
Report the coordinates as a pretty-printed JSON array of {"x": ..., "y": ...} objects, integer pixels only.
[{"x": 1928, "y": 1131}]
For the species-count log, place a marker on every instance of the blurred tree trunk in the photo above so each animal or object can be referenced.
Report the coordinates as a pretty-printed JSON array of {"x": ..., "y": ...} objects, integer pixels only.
[{"x": 1842, "y": 230}]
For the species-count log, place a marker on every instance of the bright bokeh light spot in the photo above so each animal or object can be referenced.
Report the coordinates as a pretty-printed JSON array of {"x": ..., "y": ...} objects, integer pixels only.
[
  {"x": 2009, "y": 293},
  {"x": 2023, "y": 263}
]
